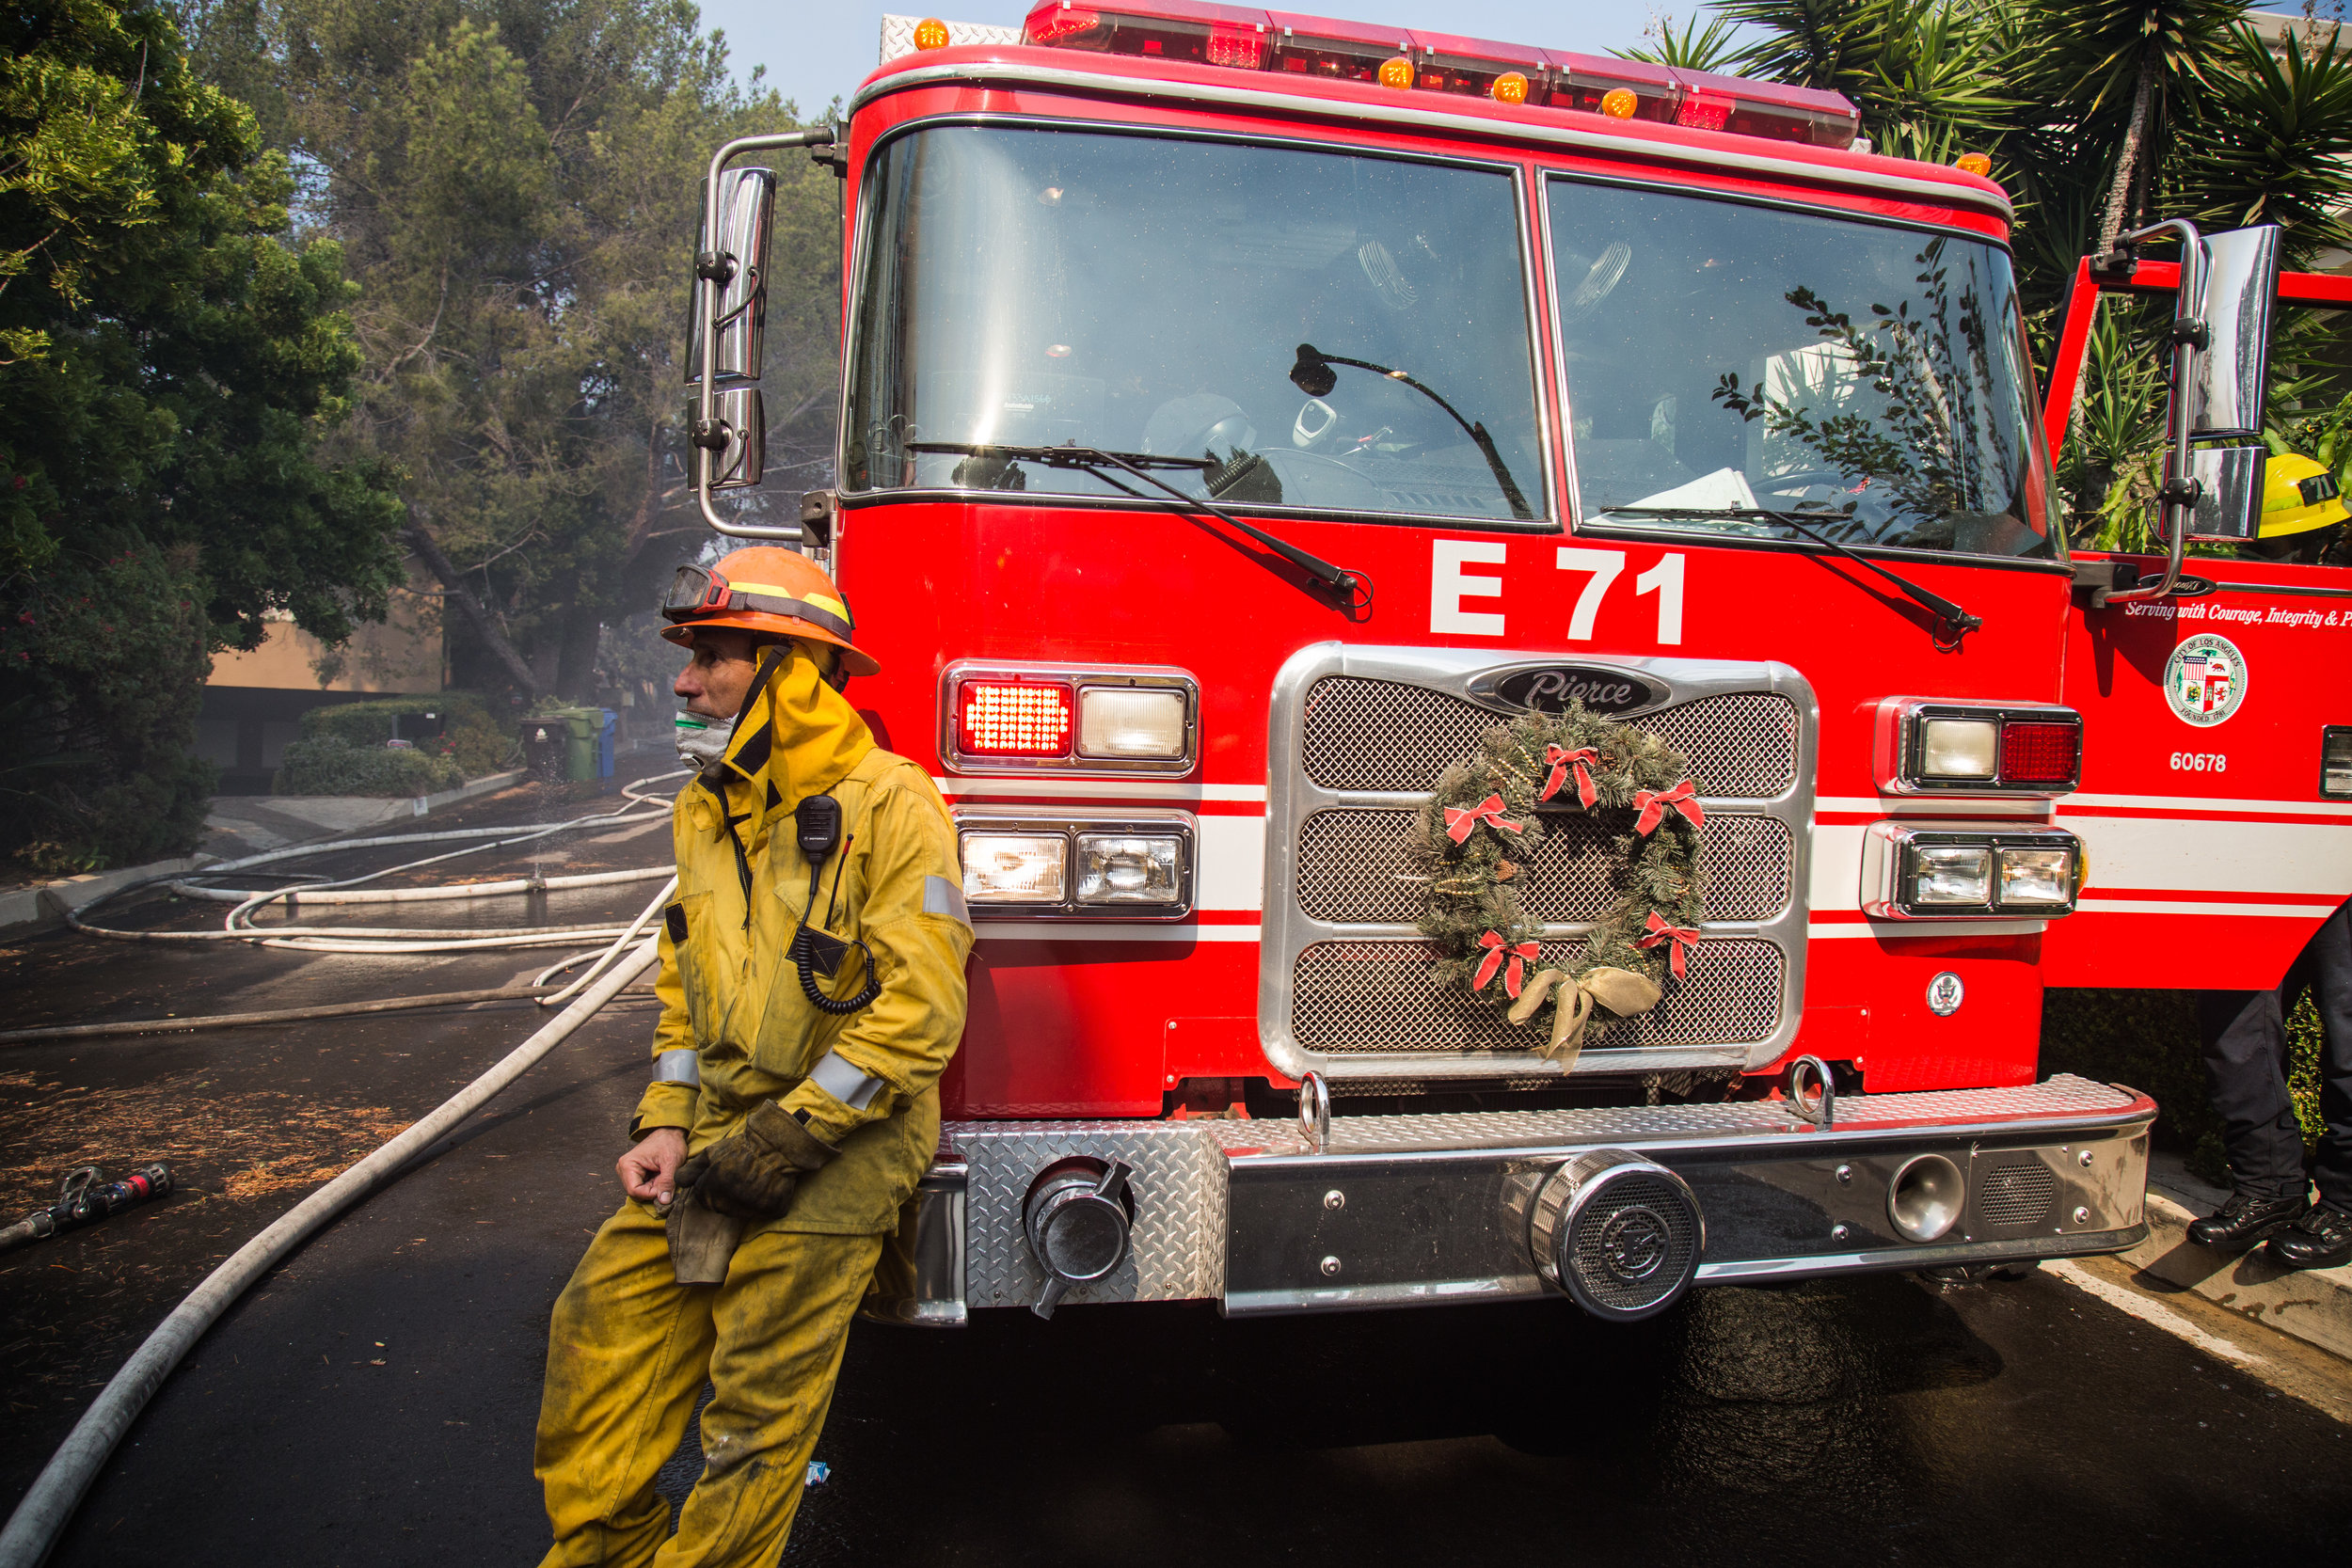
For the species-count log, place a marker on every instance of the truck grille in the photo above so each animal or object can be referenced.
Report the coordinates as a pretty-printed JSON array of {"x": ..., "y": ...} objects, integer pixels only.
[
  {"x": 1356, "y": 868},
  {"x": 1360, "y": 737},
  {"x": 1373, "y": 735},
  {"x": 1385, "y": 996}
]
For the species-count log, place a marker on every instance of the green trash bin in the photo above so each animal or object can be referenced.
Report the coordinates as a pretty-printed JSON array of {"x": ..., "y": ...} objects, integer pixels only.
[{"x": 580, "y": 758}]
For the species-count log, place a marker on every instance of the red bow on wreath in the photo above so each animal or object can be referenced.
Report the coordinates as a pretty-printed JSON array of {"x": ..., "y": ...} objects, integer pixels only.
[
  {"x": 1654, "y": 803},
  {"x": 1680, "y": 939},
  {"x": 1497, "y": 950},
  {"x": 1460, "y": 820},
  {"x": 1559, "y": 759}
]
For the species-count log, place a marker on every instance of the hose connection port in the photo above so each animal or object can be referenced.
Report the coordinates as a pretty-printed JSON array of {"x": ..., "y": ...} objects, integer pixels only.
[{"x": 1079, "y": 1216}]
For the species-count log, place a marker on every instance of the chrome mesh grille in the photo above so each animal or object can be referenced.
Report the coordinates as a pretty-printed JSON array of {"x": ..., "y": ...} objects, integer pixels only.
[
  {"x": 1356, "y": 867},
  {"x": 1350, "y": 997},
  {"x": 2015, "y": 1195},
  {"x": 1374, "y": 735}
]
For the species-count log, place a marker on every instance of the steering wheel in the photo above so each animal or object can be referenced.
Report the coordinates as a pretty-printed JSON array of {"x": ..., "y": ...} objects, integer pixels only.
[{"x": 1311, "y": 479}]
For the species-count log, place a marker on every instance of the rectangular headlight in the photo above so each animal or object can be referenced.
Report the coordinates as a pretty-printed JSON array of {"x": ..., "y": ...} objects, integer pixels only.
[
  {"x": 1016, "y": 868},
  {"x": 1131, "y": 721},
  {"x": 1950, "y": 873},
  {"x": 1959, "y": 748},
  {"x": 1130, "y": 868},
  {"x": 2036, "y": 876}
]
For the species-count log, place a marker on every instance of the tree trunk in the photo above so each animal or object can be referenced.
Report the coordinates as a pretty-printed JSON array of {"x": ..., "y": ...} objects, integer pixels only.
[
  {"x": 2127, "y": 161},
  {"x": 575, "y": 667},
  {"x": 461, "y": 596}
]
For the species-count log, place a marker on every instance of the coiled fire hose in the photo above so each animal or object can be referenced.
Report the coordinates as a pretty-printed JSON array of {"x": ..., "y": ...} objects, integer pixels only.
[{"x": 33, "y": 1529}]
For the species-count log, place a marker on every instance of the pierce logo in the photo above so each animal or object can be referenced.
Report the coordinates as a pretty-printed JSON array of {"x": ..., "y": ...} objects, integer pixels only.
[
  {"x": 2204, "y": 680},
  {"x": 1552, "y": 689}
]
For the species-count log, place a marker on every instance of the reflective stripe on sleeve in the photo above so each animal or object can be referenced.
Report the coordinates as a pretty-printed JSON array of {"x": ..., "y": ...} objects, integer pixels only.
[
  {"x": 941, "y": 896},
  {"x": 682, "y": 1065},
  {"x": 841, "y": 1079}
]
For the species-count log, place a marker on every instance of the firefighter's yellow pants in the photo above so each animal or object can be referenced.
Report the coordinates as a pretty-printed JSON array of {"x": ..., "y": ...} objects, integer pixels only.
[{"x": 627, "y": 1356}]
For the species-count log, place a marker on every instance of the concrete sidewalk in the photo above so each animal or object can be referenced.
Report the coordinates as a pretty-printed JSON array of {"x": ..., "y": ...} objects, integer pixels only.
[{"x": 2314, "y": 1305}]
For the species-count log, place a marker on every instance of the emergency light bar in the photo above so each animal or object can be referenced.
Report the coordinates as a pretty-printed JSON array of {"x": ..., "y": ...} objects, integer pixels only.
[{"x": 1238, "y": 38}]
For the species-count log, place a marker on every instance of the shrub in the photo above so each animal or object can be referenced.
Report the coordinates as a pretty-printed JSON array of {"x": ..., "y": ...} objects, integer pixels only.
[
  {"x": 471, "y": 735},
  {"x": 331, "y": 766}
]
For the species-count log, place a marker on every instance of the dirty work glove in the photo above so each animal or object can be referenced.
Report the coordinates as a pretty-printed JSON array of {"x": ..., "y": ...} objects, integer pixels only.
[
  {"x": 701, "y": 1239},
  {"x": 753, "y": 1169}
]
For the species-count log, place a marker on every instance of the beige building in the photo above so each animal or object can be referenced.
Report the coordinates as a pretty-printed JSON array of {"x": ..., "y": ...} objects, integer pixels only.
[{"x": 253, "y": 701}]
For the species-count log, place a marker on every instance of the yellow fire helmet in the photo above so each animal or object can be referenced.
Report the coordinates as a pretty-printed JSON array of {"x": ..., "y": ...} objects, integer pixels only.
[{"x": 2298, "y": 497}]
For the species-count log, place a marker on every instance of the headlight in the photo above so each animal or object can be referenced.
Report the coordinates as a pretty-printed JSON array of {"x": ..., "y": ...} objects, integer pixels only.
[
  {"x": 1915, "y": 872},
  {"x": 1950, "y": 873},
  {"x": 2036, "y": 876},
  {"x": 1132, "y": 721},
  {"x": 1015, "y": 868},
  {"x": 1133, "y": 865},
  {"x": 1117, "y": 868},
  {"x": 1959, "y": 748}
]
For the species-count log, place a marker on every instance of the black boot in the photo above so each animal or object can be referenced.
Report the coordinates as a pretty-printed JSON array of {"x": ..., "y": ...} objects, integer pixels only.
[
  {"x": 2244, "y": 1221},
  {"x": 2322, "y": 1239}
]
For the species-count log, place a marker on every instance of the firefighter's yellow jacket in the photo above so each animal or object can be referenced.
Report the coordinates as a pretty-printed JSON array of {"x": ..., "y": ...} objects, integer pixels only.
[{"x": 730, "y": 993}]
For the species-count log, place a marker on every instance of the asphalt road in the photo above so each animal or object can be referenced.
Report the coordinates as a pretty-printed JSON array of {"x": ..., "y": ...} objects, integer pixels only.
[{"x": 373, "y": 1401}]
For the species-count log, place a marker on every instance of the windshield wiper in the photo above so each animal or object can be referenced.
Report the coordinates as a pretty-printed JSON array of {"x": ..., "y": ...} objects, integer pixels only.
[
  {"x": 1092, "y": 460},
  {"x": 1944, "y": 609},
  {"x": 1312, "y": 374}
]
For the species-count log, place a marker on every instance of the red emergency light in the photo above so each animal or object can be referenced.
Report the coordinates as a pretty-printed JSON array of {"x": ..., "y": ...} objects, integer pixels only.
[
  {"x": 1015, "y": 718},
  {"x": 1241, "y": 39},
  {"x": 2040, "y": 752}
]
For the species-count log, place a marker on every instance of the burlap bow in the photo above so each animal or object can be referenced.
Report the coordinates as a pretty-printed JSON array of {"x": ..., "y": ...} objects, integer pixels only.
[{"x": 1621, "y": 991}]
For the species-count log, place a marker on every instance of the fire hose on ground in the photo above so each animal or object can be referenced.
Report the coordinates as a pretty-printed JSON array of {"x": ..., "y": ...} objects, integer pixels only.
[{"x": 33, "y": 1529}]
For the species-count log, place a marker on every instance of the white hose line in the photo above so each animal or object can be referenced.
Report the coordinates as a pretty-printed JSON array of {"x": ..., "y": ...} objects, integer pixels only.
[
  {"x": 259, "y": 935},
  {"x": 474, "y": 944},
  {"x": 33, "y": 1529},
  {"x": 427, "y": 895},
  {"x": 615, "y": 951}
]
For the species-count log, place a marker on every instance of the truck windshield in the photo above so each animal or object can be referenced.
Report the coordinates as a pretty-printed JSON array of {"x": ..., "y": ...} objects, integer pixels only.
[
  {"x": 1236, "y": 311},
  {"x": 1724, "y": 359}
]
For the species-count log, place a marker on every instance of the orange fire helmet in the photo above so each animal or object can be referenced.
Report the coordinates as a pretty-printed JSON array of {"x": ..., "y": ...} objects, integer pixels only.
[{"x": 769, "y": 589}]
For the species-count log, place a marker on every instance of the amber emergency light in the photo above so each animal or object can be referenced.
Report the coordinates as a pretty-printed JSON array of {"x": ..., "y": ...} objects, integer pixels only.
[{"x": 1409, "y": 59}]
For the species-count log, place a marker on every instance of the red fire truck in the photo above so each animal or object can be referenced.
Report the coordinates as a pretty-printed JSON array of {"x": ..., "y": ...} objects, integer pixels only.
[{"x": 1244, "y": 412}]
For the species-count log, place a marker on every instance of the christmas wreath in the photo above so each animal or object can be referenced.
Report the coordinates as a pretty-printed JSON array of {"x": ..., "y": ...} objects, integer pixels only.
[{"x": 1485, "y": 826}]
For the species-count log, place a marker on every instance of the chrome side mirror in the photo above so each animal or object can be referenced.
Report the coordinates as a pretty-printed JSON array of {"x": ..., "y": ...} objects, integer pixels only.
[
  {"x": 733, "y": 268},
  {"x": 742, "y": 424},
  {"x": 2241, "y": 287}
]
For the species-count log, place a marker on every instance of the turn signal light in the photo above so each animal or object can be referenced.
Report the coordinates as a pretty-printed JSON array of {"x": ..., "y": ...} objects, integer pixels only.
[
  {"x": 1003, "y": 719},
  {"x": 2040, "y": 753},
  {"x": 1931, "y": 747},
  {"x": 1019, "y": 717}
]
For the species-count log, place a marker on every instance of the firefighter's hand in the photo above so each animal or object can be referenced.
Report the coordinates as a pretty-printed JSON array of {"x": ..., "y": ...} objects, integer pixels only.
[{"x": 649, "y": 1171}]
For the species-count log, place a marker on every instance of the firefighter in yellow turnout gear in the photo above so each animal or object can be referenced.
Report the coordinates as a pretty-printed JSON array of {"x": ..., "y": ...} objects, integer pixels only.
[{"x": 784, "y": 1132}]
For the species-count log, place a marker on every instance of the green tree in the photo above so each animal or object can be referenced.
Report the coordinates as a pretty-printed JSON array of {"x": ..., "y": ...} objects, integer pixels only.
[
  {"x": 170, "y": 367},
  {"x": 515, "y": 185}
]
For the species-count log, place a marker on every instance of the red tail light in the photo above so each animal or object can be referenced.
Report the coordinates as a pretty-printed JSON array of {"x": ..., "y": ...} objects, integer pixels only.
[
  {"x": 1015, "y": 718},
  {"x": 2040, "y": 753}
]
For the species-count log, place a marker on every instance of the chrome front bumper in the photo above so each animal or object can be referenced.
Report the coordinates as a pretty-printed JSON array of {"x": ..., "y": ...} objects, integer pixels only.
[{"x": 1421, "y": 1209}]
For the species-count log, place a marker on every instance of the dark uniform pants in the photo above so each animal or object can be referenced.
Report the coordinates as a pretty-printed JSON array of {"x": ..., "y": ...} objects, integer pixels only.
[
  {"x": 2246, "y": 1067},
  {"x": 628, "y": 1353}
]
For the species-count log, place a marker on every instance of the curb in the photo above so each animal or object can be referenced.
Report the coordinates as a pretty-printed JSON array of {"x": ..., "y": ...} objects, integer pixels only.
[
  {"x": 2312, "y": 1305},
  {"x": 25, "y": 911}
]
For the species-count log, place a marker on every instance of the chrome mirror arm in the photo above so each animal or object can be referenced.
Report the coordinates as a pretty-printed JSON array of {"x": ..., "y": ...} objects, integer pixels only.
[
  {"x": 711, "y": 272},
  {"x": 2177, "y": 500}
]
